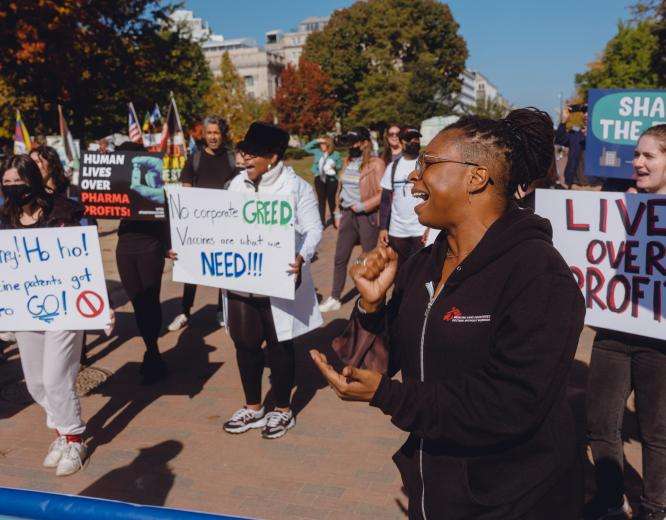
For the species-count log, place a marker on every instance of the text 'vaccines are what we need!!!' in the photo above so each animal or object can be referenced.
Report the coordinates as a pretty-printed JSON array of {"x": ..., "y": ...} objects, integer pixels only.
[{"x": 235, "y": 241}]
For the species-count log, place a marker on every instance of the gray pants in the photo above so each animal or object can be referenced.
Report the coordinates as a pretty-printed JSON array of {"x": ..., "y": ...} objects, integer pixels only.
[
  {"x": 354, "y": 228},
  {"x": 50, "y": 362}
]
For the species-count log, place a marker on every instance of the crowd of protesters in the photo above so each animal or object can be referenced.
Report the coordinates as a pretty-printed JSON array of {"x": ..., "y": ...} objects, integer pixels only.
[{"x": 491, "y": 434}]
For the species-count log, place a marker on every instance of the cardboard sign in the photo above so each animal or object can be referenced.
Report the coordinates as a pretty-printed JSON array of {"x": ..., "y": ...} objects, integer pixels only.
[
  {"x": 232, "y": 240},
  {"x": 615, "y": 245},
  {"x": 52, "y": 279},
  {"x": 122, "y": 185},
  {"x": 616, "y": 119}
]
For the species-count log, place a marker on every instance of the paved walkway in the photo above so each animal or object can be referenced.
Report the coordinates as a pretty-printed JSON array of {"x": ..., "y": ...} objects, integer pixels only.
[{"x": 164, "y": 445}]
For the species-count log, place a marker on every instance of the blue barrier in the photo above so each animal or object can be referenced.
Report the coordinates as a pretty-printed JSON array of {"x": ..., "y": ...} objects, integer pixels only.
[{"x": 37, "y": 505}]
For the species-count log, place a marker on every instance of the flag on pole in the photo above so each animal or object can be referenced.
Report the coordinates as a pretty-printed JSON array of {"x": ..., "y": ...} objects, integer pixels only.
[
  {"x": 22, "y": 143},
  {"x": 145, "y": 128},
  {"x": 156, "y": 117},
  {"x": 71, "y": 150},
  {"x": 152, "y": 128},
  {"x": 134, "y": 128},
  {"x": 172, "y": 143}
]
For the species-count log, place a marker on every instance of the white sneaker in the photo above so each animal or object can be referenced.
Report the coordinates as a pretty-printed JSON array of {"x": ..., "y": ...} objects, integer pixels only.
[
  {"x": 56, "y": 450},
  {"x": 330, "y": 304},
  {"x": 244, "y": 419},
  {"x": 72, "y": 459},
  {"x": 220, "y": 318},
  {"x": 8, "y": 337},
  {"x": 178, "y": 323},
  {"x": 277, "y": 424}
]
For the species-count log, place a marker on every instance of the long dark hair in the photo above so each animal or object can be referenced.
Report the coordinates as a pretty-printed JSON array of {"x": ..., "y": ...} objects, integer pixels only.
[
  {"x": 29, "y": 172},
  {"x": 56, "y": 171},
  {"x": 522, "y": 141},
  {"x": 386, "y": 153}
]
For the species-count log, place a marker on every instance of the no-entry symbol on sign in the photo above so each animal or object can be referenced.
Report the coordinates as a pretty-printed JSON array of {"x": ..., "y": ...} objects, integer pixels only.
[{"x": 89, "y": 304}]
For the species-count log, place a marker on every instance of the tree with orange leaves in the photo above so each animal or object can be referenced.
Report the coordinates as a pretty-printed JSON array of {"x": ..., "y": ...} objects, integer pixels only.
[{"x": 304, "y": 101}]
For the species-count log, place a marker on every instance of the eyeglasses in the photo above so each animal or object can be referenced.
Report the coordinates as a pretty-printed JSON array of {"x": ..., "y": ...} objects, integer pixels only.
[
  {"x": 426, "y": 160},
  {"x": 393, "y": 134}
]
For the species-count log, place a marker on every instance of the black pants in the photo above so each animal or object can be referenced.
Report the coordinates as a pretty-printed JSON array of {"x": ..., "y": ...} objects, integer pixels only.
[
  {"x": 141, "y": 276},
  {"x": 250, "y": 324},
  {"x": 326, "y": 190},
  {"x": 189, "y": 291},
  {"x": 405, "y": 247},
  {"x": 622, "y": 363}
]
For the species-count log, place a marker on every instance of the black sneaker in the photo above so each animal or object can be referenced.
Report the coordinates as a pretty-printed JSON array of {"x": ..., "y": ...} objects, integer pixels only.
[
  {"x": 597, "y": 509},
  {"x": 277, "y": 424},
  {"x": 153, "y": 368},
  {"x": 245, "y": 419}
]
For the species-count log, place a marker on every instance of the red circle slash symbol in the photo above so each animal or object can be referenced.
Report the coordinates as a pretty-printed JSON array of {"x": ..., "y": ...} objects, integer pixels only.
[{"x": 89, "y": 304}]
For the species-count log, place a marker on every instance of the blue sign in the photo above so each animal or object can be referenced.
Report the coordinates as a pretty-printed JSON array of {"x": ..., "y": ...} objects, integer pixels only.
[{"x": 616, "y": 119}]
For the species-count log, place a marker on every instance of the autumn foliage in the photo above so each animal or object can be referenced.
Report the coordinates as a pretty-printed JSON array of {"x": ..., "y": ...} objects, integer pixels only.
[{"x": 304, "y": 101}]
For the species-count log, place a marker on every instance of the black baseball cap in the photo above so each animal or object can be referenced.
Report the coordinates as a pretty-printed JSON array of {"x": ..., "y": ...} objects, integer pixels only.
[
  {"x": 408, "y": 133},
  {"x": 360, "y": 133}
]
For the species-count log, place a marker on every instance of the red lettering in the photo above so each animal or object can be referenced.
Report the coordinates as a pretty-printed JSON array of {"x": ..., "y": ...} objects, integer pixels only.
[
  {"x": 654, "y": 252},
  {"x": 590, "y": 252},
  {"x": 653, "y": 218},
  {"x": 637, "y": 293},
  {"x": 630, "y": 226},
  {"x": 603, "y": 215},
  {"x": 630, "y": 257},
  {"x": 618, "y": 279},
  {"x": 571, "y": 225},
  {"x": 592, "y": 289},
  {"x": 613, "y": 258}
]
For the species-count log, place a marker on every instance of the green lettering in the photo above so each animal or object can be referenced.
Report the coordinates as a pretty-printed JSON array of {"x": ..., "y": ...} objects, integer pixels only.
[
  {"x": 254, "y": 215},
  {"x": 285, "y": 213}
]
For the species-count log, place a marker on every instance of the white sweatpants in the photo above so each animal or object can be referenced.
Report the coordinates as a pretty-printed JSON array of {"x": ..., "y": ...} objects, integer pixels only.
[{"x": 50, "y": 362}]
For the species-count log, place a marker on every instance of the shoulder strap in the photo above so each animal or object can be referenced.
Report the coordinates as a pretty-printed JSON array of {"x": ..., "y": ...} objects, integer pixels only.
[{"x": 394, "y": 167}]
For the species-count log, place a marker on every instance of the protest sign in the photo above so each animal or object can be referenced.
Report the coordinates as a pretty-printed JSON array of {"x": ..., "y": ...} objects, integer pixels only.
[
  {"x": 52, "y": 279},
  {"x": 616, "y": 119},
  {"x": 232, "y": 240},
  {"x": 615, "y": 245},
  {"x": 122, "y": 185}
]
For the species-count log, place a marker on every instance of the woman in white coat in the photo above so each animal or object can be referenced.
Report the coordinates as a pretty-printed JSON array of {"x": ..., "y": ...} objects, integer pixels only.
[{"x": 255, "y": 320}]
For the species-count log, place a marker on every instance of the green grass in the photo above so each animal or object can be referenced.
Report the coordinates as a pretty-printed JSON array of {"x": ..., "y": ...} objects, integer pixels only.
[{"x": 302, "y": 167}]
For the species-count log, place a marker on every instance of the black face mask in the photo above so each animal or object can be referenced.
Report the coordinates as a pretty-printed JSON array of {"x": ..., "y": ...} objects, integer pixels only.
[
  {"x": 355, "y": 152},
  {"x": 412, "y": 148},
  {"x": 18, "y": 194}
]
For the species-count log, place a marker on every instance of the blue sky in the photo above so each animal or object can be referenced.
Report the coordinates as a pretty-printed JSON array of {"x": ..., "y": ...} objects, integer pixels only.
[{"x": 530, "y": 49}]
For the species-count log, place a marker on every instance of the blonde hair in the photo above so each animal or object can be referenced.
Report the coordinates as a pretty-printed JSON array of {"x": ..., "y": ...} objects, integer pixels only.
[
  {"x": 659, "y": 133},
  {"x": 328, "y": 141}
]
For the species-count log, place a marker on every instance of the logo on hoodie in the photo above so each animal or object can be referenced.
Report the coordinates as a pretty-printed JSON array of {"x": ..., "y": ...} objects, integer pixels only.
[{"x": 455, "y": 315}]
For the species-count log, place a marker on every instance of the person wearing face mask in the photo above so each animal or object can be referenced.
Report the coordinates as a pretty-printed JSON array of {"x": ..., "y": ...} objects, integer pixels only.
[
  {"x": 357, "y": 219},
  {"x": 325, "y": 167},
  {"x": 622, "y": 363},
  {"x": 255, "y": 320},
  {"x": 50, "y": 359},
  {"x": 398, "y": 222}
]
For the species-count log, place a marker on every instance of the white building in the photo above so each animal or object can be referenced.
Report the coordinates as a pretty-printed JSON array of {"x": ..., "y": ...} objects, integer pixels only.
[
  {"x": 290, "y": 44},
  {"x": 477, "y": 88},
  {"x": 196, "y": 27}
]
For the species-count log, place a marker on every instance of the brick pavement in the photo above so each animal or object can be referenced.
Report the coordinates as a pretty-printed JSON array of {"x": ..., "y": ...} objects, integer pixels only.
[{"x": 164, "y": 445}]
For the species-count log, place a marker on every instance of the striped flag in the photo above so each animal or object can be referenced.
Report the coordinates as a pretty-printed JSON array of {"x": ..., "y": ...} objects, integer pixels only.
[
  {"x": 22, "y": 143},
  {"x": 71, "y": 150},
  {"x": 134, "y": 128}
]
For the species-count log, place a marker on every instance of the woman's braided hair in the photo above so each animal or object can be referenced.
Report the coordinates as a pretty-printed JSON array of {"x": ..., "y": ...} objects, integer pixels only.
[{"x": 523, "y": 140}]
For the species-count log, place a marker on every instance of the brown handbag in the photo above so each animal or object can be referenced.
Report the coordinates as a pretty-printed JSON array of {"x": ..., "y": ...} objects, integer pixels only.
[{"x": 362, "y": 349}]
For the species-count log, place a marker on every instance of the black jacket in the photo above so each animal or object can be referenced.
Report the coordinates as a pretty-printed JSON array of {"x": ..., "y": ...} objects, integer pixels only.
[
  {"x": 62, "y": 211},
  {"x": 484, "y": 369}
]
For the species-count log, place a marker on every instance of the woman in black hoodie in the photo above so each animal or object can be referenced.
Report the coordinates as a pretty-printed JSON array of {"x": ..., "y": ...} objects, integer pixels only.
[{"x": 483, "y": 325}]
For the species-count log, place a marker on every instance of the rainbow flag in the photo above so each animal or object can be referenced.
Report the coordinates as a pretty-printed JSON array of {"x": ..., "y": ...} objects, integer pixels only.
[{"x": 22, "y": 143}]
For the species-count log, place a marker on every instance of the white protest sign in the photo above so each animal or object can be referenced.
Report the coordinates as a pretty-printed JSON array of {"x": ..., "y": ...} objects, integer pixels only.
[
  {"x": 52, "y": 279},
  {"x": 232, "y": 240},
  {"x": 615, "y": 245}
]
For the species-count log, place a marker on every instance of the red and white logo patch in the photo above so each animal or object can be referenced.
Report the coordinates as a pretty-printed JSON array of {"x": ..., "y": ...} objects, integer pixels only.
[{"x": 455, "y": 315}]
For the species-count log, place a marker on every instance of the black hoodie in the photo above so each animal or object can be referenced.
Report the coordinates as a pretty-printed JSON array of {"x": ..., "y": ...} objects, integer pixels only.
[{"x": 484, "y": 368}]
